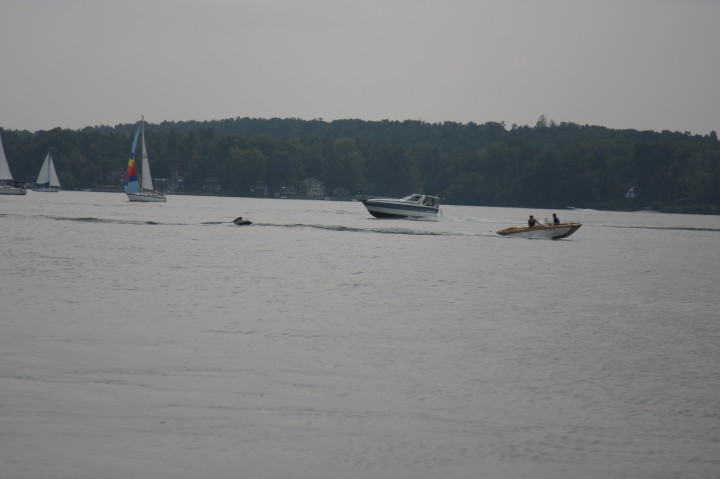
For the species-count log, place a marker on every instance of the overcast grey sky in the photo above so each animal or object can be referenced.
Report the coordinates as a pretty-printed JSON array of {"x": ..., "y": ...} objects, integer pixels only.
[{"x": 642, "y": 64}]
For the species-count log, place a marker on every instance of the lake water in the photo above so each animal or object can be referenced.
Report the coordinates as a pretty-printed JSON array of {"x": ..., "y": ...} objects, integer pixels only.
[{"x": 160, "y": 341}]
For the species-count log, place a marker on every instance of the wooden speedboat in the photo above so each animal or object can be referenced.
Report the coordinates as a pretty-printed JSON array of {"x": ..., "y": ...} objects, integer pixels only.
[{"x": 546, "y": 231}]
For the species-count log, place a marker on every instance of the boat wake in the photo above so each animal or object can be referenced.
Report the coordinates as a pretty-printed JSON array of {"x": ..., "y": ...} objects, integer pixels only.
[
  {"x": 393, "y": 231},
  {"x": 667, "y": 228},
  {"x": 351, "y": 229},
  {"x": 330, "y": 227},
  {"x": 466, "y": 219},
  {"x": 102, "y": 220},
  {"x": 377, "y": 230}
]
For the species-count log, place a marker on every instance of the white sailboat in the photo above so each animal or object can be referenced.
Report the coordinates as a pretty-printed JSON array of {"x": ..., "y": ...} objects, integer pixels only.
[
  {"x": 140, "y": 189},
  {"x": 8, "y": 186},
  {"x": 47, "y": 180}
]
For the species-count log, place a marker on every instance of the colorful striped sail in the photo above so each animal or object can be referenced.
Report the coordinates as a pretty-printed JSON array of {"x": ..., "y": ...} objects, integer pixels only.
[{"x": 132, "y": 185}]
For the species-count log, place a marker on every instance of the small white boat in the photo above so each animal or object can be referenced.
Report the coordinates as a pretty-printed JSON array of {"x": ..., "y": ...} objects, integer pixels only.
[
  {"x": 141, "y": 189},
  {"x": 8, "y": 186},
  {"x": 412, "y": 206},
  {"x": 47, "y": 180},
  {"x": 546, "y": 231}
]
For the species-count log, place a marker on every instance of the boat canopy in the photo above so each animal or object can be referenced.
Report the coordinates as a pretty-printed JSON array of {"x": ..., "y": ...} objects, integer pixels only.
[{"x": 422, "y": 199}]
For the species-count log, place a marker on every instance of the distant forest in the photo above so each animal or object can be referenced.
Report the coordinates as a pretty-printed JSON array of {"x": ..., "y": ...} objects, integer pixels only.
[{"x": 547, "y": 165}]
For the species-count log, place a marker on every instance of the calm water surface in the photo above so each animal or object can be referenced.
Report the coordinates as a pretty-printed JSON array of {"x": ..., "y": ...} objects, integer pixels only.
[{"x": 158, "y": 340}]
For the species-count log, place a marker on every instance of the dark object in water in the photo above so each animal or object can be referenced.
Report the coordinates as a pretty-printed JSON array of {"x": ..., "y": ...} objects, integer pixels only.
[{"x": 240, "y": 221}]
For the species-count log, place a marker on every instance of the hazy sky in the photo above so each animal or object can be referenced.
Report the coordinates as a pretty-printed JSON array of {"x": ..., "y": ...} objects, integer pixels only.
[{"x": 642, "y": 64}]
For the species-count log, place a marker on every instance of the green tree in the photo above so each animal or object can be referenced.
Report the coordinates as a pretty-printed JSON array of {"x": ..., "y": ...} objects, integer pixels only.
[{"x": 344, "y": 165}]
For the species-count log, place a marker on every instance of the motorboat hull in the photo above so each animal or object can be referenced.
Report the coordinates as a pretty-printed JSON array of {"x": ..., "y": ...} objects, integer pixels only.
[
  {"x": 559, "y": 231},
  {"x": 394, "y": 210},
  {"x": 413, "y": 206},
  {"x": 147, "y": 197}
]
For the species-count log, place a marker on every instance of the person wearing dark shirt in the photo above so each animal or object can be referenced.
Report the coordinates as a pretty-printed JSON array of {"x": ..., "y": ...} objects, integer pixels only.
[{"x": 556, "y": 220}]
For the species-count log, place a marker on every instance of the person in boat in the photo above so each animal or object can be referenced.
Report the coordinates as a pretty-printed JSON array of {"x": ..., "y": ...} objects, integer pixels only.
[
  {"x": 532, "y": 221},
  {"x": 556, "y": 220},
  {"x": 240, "y": 221}
]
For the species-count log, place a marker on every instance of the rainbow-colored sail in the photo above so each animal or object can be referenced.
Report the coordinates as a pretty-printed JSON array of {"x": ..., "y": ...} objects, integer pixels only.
[{"x": 132, "y": 185}]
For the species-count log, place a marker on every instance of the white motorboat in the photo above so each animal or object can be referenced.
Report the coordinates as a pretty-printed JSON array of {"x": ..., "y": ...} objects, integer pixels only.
[
  {"x": 8, "y": 186},
  {"x": 542, "y": 231},
  {"x": 140, "y": 189},
  {"x": 412, "y": 206}
]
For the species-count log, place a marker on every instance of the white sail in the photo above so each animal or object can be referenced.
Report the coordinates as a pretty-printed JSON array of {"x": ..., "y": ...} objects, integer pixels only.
[
  {"x": 47, "y": 179},
  {"x": 54, "y": 180},
  {"x": 4, "y": 167},
  {"x": 147, "y": 183},
  {"x": 7, "y": 185},
  {"x": 48, "y": 176},
  {"x": 44, "y": 175}
]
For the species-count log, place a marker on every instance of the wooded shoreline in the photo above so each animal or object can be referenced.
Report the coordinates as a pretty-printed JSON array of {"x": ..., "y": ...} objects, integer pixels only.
[{"x": 547, "y": 165}]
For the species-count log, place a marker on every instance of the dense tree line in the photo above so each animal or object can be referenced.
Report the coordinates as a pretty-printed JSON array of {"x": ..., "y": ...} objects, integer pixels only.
[{"x": 547, "y": 165}]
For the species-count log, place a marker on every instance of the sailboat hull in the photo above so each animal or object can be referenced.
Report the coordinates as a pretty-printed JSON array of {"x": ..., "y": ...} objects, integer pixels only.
[
  {"x": 147, "y": 197},
  {"x": 6, "y": 189},
  {"x": 46, "y": 189}
]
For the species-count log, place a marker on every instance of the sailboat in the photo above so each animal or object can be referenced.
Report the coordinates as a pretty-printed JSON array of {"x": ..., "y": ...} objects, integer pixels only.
[
  {"x": 140, "y": 189},
  {"x": 8, "y": 186},
  {"x": 47, "y": 180}
]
